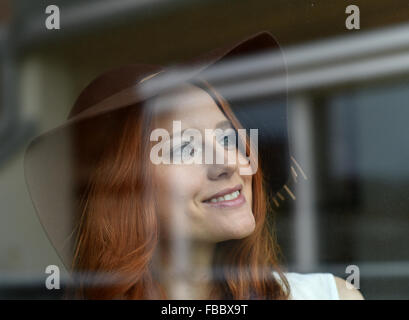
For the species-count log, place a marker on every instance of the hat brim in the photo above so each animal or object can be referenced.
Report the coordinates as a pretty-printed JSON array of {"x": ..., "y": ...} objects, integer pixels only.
[{"x": 49, "y": 170}]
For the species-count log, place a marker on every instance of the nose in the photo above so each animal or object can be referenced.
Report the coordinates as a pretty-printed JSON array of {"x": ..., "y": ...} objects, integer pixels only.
[{"x": 224, "y": 170}]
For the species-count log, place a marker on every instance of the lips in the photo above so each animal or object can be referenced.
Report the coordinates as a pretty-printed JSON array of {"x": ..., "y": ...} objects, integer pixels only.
[{"x": 231, "y": 197}]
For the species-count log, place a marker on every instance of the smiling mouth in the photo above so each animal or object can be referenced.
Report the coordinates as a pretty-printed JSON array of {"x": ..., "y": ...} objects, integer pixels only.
[{"x": 231, "y": 197}]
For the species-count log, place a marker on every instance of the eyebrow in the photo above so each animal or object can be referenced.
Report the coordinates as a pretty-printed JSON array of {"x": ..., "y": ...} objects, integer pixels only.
[
  {"x": 225, "y": 124},
  {"x": 179, "y": 132}
]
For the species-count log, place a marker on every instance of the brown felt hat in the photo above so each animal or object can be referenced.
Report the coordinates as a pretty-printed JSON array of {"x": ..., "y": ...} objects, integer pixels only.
[{"x": 247, "y": 73}]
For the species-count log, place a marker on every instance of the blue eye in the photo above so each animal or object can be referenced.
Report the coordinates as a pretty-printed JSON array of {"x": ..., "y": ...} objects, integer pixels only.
[
  {"x": 228, "y": 139},
  {"x": 185, "y": 150},
  {"x": 188, "y": 150}
]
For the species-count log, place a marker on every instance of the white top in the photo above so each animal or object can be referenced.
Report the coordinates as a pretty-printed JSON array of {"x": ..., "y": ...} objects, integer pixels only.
[{"x": 312, "y": 286}]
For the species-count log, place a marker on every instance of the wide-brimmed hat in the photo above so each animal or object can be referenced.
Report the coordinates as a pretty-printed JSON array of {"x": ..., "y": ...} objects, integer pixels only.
[{"x": 248, "y": 74}]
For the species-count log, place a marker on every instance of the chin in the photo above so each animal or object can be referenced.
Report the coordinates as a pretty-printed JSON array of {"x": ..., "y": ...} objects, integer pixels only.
[{"x": 242, "y": 229}]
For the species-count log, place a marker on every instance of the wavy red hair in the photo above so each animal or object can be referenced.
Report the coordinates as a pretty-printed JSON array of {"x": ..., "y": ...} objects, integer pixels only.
[{"x": 119, "y": 229}]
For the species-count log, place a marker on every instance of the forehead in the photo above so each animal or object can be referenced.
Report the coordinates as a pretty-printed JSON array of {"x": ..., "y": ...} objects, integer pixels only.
[{"x": 193, "y": 106}]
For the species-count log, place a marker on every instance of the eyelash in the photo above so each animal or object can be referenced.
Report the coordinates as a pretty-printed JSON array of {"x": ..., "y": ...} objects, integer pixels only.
[
  {"x": 221, "y": 141},
  {"x": 229, "y": 140},
  {"x": 181, "y": 147}
]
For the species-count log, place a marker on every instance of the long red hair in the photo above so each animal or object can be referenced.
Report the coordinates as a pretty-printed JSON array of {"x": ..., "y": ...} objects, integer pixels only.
[{"x": 119, "y": 232}]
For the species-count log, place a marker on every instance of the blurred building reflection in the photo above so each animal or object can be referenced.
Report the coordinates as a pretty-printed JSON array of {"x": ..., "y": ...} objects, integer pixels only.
[{"x": 348, "y": 96}]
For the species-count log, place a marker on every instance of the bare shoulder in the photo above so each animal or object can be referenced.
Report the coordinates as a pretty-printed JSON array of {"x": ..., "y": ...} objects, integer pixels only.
[{"x": 345, "y": 293}]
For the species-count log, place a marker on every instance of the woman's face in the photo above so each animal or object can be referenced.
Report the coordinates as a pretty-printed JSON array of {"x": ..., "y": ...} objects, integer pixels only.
[{"x": 201, "y": 201}]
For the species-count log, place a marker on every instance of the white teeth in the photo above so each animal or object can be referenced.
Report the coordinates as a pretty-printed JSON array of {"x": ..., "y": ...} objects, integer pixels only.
[{"x": 230, "y": 196}]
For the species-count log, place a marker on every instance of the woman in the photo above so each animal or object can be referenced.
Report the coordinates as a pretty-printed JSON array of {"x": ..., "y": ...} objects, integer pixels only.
[{"x": 149, "y": 229}]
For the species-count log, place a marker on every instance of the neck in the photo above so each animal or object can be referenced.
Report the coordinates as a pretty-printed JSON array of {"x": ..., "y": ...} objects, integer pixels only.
[{"x": 185, "y": 268}]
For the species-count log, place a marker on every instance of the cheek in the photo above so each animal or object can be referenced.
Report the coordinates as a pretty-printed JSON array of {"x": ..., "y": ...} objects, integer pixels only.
[
  {"x": 177, "y": 190},
  {"x": 179, "y": 185},
  {"x": 247, "y": 180}
]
